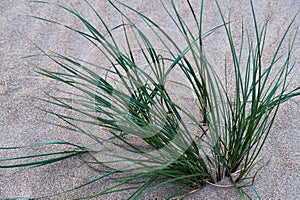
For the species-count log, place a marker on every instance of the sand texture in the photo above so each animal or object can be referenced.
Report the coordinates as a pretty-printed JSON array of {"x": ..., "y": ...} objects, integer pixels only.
[{"x": 22, "y": 123}]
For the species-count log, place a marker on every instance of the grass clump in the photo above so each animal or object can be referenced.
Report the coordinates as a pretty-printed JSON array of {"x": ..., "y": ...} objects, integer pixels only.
[{"x": 129, "y": 102}]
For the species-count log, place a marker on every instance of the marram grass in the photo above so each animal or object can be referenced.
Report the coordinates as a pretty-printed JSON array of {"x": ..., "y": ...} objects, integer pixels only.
[{"x": 130, "y": 103}]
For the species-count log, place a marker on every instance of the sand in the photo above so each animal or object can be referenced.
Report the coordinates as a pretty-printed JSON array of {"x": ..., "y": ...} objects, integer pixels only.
[{"x": 22, "y": 123}]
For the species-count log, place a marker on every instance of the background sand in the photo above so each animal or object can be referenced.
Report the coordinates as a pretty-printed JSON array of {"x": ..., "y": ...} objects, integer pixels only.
[{"x": 21, "y": 123}]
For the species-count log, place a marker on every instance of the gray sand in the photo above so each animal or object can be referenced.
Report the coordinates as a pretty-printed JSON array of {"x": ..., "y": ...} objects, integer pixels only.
[{"x": 21, "y": 123}]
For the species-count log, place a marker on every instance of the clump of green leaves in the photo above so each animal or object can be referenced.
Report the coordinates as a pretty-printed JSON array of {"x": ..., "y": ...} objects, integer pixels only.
[{"x": 130, "y": 103}]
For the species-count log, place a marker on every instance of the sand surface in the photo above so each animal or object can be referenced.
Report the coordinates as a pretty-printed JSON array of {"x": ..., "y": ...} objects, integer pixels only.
[{"x": 22, "y": 123}]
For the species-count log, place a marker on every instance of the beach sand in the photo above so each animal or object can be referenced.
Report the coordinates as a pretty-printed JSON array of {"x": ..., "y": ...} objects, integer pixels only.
[{"x": 23, "y": 124}]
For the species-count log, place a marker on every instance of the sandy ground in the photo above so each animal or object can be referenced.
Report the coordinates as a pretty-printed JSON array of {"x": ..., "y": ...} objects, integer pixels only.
[{"x": 21, "y": 122}]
